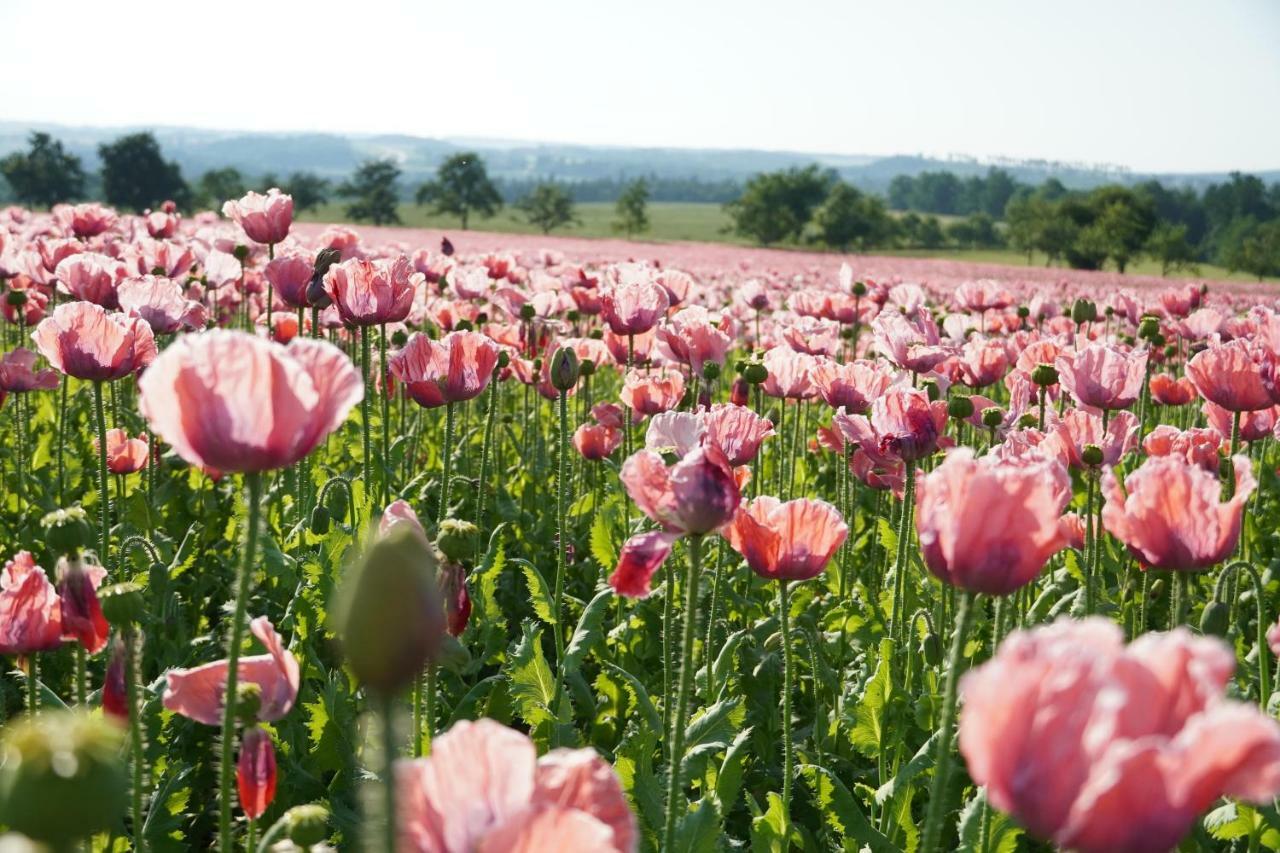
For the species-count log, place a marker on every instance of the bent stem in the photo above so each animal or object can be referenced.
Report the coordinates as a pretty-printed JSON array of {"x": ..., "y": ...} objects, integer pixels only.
[
  {"x": 1264, "y": 675},
  {"x": 675, "y": 759},
  {"x": 946, "y": 726},
  {"x": 227, "y": 768}
]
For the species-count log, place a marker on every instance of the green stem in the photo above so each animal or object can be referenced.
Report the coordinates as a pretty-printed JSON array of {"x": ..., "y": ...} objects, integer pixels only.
[
  {"x": 562, "y": 535},
  {"x": 711, "y": 619},
  {"x": 386, "y": 420},
  {"x": 491, "y": 418},
  {"x": 366, "y": 468},
  {"x": 137, "y": 756},
  {"x": 784, "y": 606},
  {"x": 227, "y": 768},
  {"x": 900, "y": 561},
  {"x": 33, "y": 684},
  {"x": 104, "y": 497},
  {"x": 942, "y": 761},
  {"x": 675, "y": 758},
  {"x": 446, "y": 451},
  {"x": 386, "y": 711}
]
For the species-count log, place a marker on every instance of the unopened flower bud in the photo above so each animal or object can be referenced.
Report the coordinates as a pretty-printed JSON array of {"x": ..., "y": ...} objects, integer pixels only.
[
  {"x": 1170, "y": 351},
  {"x": 596, "y": 334},
  {"x": 755, "y": 373},
  {"x": 564, "y": 369},
  {"x": 457, "y": 539},
  {"x": 123, "y": 603},
  {"x": 1083, "y": 311},
  {"x": 399, "y": 338},
  {"x": 992, "y": 417},
  {"x": 1024, "y": 312},
  {"x": 320, "y": 520},
  {"x": 587, "y": 367},
  {"x": 256, "y": 772},
  {"x": 526, "y": 312},
  {"x": 1044, "y": 375},
  {"x": 739, "y": 391},
  {"x": 463, "y": 326},
  {"x": 16, "y": 298},
  {"x": 932, "y": 391},
  {"x": 931, "y": 649},
  {"x": 67, "y": 530},
  {"x": 859, "y": 288},
  {"x": 504, "y": 359},
  {"x": 1091, "y": 455},
  {"x": 1214, "y": 619},
  {"x": 960, "y": 408},
  {"x": 307, "y": 825}
]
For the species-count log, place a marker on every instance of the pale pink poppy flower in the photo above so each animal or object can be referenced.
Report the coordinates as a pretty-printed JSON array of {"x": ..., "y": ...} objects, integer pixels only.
[
  {"x": 125, "y": 455},
  {"x": 399, "y": 512},
  {"x": 1202, "y": 324},
  {"x": 903, "y": 424},
  {"x": 1181, "y": 302},
  {"x": 454, "y": 369},
  {"x": 290, "y": 276},
  {"x": 30, "y": 610},
  {"x": 264, "y": 218},
  {"x": 484, "y": 789},
  {"x": 1170, "y": 514},
  {"x": 596, "y": 441},
  {"x": 1078, "y": 428},
  {"x": 162, "y": 303},
  {"x": 1036, "y": 353},
  {"x": 693, "y": 338},
  {"x": 651, "y": 393},
  {"x": 608, "y": 415},
  {"x": 238, "y": 403},
  {"x": 1231, "y": 375},
  {"x": 369, "y": 293},
  {"x": 161, "y": 224},
  {"x": 989, "y": 526},
  {"x": 736, "y": 430},
  {"x": 674, "y": 432},
  {"x": 982, "y": 295},
  {"x": 1196, "y": 445},
  {"x": 171, "y": 259},
  {"x": 1254, "y": 426},
  {"x": 753, "y": 294},
  {"x": 911, "y": 345},
  {"x": 879, "y": 472},
  {"x": 790, "y": 374},
  {"x": 633, "y": 306},
  {"x": 221, "y": 269},
  {"x": 18, "y": 374},
  {"x": 1168, "y": 390},
  {"x": 1273, "y": 639},
  {"x": 1102, "y": 376},
  {"x": 91, "y": 277},
  {"x": 983, "y": 362},
  {"x": 85, "y": 220},
  {"x": 791, "y": 541},
  {"x": 852, "y": 385},
  {"x": 85, "y": 341},
  {"x": 813, "y": 336},
  {"x": 197, "y": 693},
  {"x": 1104, "y": 748},
  {"x": 641, "y": 346},
  {"x": 32, "y": 311},
  {"x": 48, "y": 254}
]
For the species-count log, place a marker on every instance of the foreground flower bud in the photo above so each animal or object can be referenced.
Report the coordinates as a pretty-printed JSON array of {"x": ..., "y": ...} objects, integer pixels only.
[
  {"x": 1215, "y": 618},
  {"x": 61, "y": 777},
  {"x": 307, "y": 825},
  {"x": 256, "y": 772},
  {"x": 388, "y": 612},
  {"x": 67, "y": 530}
]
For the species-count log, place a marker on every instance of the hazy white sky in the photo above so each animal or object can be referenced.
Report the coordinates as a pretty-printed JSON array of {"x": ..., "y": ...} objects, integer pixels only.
[{"x": 1171, "y": 85}]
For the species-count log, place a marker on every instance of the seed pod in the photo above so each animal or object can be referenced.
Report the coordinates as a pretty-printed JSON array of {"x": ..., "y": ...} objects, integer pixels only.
[
  {"x": 992, "y": 417},
  {"x": 457, "y": 539},
  {"x": 960, "y": 408},
  {"x": 587, "y": 367},
  {"x": 1083, "y": 311},
  {"x": 932, "y": 391},
  {"x": 1148, "y": 328},
  {"x": 16, "y": 298},
  {"x": 1091, "y": 455},
  {"x": 859, "y": 288},
  {"x": 711, "y": 371},
  {"x": 122, "y": 603},
  {"x": 241, "y": 252},
  {"x": 1214, "y": 619},
  {"x": 67, "y": 530},
  {"x": 1045, "y": 375},
  {"x": 755, "y": 373},
  {"x": 307, "y": 825}
]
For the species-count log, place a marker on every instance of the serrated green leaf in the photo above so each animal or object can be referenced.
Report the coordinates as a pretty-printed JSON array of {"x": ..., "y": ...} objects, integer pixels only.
[
  {"x": 867, "y": 732},
  {"x": 699, "y": 830},
  {"x": 533, "y": 687},
  {"x": 922, "y": 760},
  {"x": 601, "y": 543},
  {"x": 841, "y": 810},
  {"x": 643, "y": 703},
  {"x": 589, "y": 632},
  {"x": 732, "y": 770},
  {"x": 539, "y": 593}
]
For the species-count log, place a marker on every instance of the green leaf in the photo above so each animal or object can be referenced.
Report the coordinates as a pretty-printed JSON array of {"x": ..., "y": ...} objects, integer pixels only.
[
  {"x": 533, "y": 687},
  {"x": 841, "y": 810},
  {"x": 539, "y": 592},
  {"x": 724, "y": 660},
  {"x": 633, "y": 760},
  {"x": 867, "y": 733},
  {"x": 602, "y": 543},
  {"x": 643, "y": 703},
  {"x": 1229, "y": 821},
  {"x": 769, "y": 830},
  {"x": 732, "y": 770},
  {"x": 888, "y": 536},
  {"x": 922, "y": 760},
  {"x": 590, "y": 630},
  {"x": 699, "y": 830}
]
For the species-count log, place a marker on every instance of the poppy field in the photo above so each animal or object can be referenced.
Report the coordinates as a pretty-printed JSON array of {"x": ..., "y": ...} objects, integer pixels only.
[{"x": 316, "y": 538}]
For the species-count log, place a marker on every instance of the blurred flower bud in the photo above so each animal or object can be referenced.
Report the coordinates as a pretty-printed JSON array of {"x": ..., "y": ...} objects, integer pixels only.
[
  {"x": 320, "y": 520},
  {"x": 1024, "y": 312},
  {"x": 587, "y": 367},
  {"x": 739, "y": 391},
  {"x": 1091, "y": 455},
  {"x": 992, "y": 417},
  {"x": 463, "y": 326},
  {"x": 527, "y": 312},
  {"x": 1148, "y": 327},
  {"x": 307, "y": 825},
  {"x": 931, "y": 649},
  {"x": 115, "y": 699},
  {"x": 16, "y": 298},
  {"x": 1215, "y": 618},
  {"x": 399, "y": 338},
  {"x": 66, "y": 531},
  {"x": 1083, "y": 311},
  {"x": 241, "y": 252},
  {"x": 1028, "y": 421},
  {"x": 248, "y": 702},
  {"x": 755, "y": 373},
  {"x": 710, "y": 371},
  {"x": 960, "y": 408},
  {"x": 859, "y": 288},
  {"x": 504, "y": 359},
  {"x": 932, "y": 391}
]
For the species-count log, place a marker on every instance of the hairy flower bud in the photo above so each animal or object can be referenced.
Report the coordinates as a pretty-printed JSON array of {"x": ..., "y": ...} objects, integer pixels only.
[{"x": 564, "y": 369}]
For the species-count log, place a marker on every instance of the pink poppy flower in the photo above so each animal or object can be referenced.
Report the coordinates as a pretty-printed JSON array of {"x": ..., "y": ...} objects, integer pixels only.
[
  {"x": 256, "y": 772},
  {"x": 982, "y": 295},
  {"x": 91, "y": 277},
  {"x": 85, "y": 220},
  {"x": 983, "y": 362},
  {"x": 85, "y": 341},
  {"x": 82, "y": 617},
  {"x": 1098, "y": 747},
  {"x": 693, "y": 338},
  {"x": 792, "y": 540},
  {"x": 1103, "y": 376},
  {"x": 1231, "y": 375},
  {"x": 674, "y": 432},
  {"x": 369, "y": 293},
  {"x": 903, "y": 424},
  {"x": 264, "y": 218},
  {"x": 1170, "y": 514},
  {"x": 457, "y": 602},
  {"x": 790, "y": 374},
  {"x": 30, "y": 610},
  {"x": 989, "y": 526},
  {"x": 852, "y": 385},
  {"x": 910, "y": 344},
  {"x": 399, "y": 512},
  {"x": 125, "y": 455},
  {"x": 1077, "y": 429},
  {"x": 162, "y": 303},
  {"x": 1170, "y": 391},
  {"x": 1197, "y": 446},
  {"x": 237, "y": 403},
  {"x": 290, "y": 275},
  {"x": 161, "y": 224},
  {"x": 633, "y": 306},
  {"x": 595, "y": 442},
  {"x": 18, "y": 374},
  {"x": 197, "y": 693},
  {"x": 651, "y": 393},
  {"x": 813, "y": 336},
  {"x": 483, "y": 788},
  {"x": 1254, "y": 426},
  {"x": 736, "y": 430},
  {"x": 456, "y": 368}
]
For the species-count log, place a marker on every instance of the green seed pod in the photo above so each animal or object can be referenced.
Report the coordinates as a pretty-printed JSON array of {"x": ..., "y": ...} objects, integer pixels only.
[
  {"x": 931, "y": 649},
  {"x": 1028, "y": 421},
  {"x": 596, "y": 334},
  {"x": 859, "y": 288},
  {"x": 755, "y": 373},
  {"x": 67, "y": 530},
  {"x": 1170, "y": 351},
  {"x": 1148, "y": 327},
  {"x": 456, "y": 539},
  {"x": 307, "y": 825},
  {"x": 463, "y": 326},
  {"x": 932, "y": 391},
  {"x": 248, "y": 702},
  {"x": 992, "y": 417},
  {"x": 123, "y": 603},
  {"x": 399, "y": 338},
  {"x": 1270, "y": 574},
  {"x": 1214, "y": 619},
  {"x": 587, "y": 367},
  {"x": 960, "y": 408},
  {"x": 61, "y": 777},
  {"x": 504, "y": 359},
  {"x": 320, "y": 520},
  {"x": 388, "y": 612},
  {"x": 16, "y": 298},
  {"x": 241, "y": 252},
  {"x": 564, "y": 369},
  {"x": 711, "y": 371},
  {"x": 1045, "y": 375},
  {"x": 1083, "y": 311},
  {"x": 1024, "y": 312},
  {"x": 526, "y": 312},
  {"x": 1091, "y": 455}
]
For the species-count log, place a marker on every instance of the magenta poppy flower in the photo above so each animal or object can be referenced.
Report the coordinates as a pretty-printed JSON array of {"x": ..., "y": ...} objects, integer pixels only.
[
  {"x": 264, "y": 218},
  {"x": 456, "y": 368},
  {"x": 85, "y": 220},
  {"x": 30, "y": 610},
  {"x": 693, "y": 337},
  {"x": 85, "y": 341},
  {"x": 369, "y": 293},
  {"x": 904, "y": 424},
  {"x": 736, "y": 430},
  {"x": 197, "y": 693},
  {"x": 791, "y": 540}
]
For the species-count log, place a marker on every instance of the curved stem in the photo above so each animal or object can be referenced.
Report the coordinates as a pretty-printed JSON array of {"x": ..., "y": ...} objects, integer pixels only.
[
  {"x": 1264, "y": 675},
  {"x": 675, "y": 758},
  {"x": 942, "y": 761},
  {"x": 784, "y": 606},
  {"x": 226, "y": 769}
]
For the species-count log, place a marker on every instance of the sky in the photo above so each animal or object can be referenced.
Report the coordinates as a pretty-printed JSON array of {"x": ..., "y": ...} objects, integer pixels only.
[{"x": 1152, "y": 85}]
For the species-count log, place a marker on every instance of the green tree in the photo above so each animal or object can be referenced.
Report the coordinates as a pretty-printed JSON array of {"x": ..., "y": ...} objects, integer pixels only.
[
  {"x": 45, "y": 174},
  {"x": 308, "y": 190},
  {"x": 218, "y": 185},
  {"x": 632, "y": 208},
  {"x": 135, "y": 175},
  {"x": 461, "y": 186},
  {"x": 776, "y": 206},
  {"x": 1257, "y": 251},
  {"x": 1025, "y": 219},
  {"x": 850, "y": 218},
  {"x": 1169, "y": 245},
  {"x": 977, "y": 231},
  {"x": 548, "y": 206},
  {"x": 372, "y": 190},
  {"x": 1124, "y": 221}
]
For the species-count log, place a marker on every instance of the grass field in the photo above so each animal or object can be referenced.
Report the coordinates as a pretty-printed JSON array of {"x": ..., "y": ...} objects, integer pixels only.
[{"x": 708, "y": 223}]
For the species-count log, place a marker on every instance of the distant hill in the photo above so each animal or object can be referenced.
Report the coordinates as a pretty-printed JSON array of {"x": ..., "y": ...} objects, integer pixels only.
[{"x": 337, "y": 155}]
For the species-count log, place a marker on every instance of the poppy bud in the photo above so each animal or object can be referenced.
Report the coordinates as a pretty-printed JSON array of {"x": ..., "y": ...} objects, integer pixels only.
[
  {"x": 336, "y": 501},
  {"x": 320, "y": 520},
  {"x": 573, "y": 316},
  {"x": 587, "y": 367},
  {"x": 846, "y": 334},
  {"x": 931, "y": 649},
  {"x": 316, "y": 295},
  {"x": 307, "y": 825},
  {"x": 1270, "y": 574},
  {"x": 564, "y": 369},
  {"x": 256, "y": 772},
  {"x": 596, "y": 334},
  {"x": 248, "y": 702},
  {"x": 16, "y": 298},
  {"x": 755, "y": 373},
  {"x": 859, "y": 288},
  {"x": 1170, "y": 351},
  {"x": 992, "y": 417},
  {"x": 55, "y": 761},
  {"x": 446, "y": 247},
  {"x": 456, "y": 539},
  {"x": 932, "y": 391},
  {"x": 1214, "y": 619},
  {"x": 122, "y": 603},
  {"x": 67, "y": 530},
  {"x": 1027, "y": 421},
  {"x": 1091, "y": 455},
  {"x": 388, "y": 612},
  {"x": 463, "y": 326},
  {"x": 1024, "y": 312},
  {"x": 739, "y": 391},
  {"x": 399, "y": 338},
  {"x": 1083, "y": 311},
  {"x": 81, "y": 611},
  {"x": 1044, "y": 375},
  {"x": 526, "y": 312},
  {"x": 960, "y": 408},
  {"x": 504, "y": 359},
  {"x": 457, "y": 602},
  {"x": 711, "y": 371},
  {"x": 1149, "y": 327},
  {"x": 1157, "y": 589}
]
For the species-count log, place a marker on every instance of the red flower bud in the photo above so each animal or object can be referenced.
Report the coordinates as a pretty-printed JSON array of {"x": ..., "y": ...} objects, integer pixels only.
[{"x": 256, "y": 772}]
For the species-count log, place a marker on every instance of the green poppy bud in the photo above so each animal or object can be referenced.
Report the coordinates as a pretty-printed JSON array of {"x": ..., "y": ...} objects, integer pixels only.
[
  {"x": 859, "y": 288},
  {"x": 931, "y": 649},
  {"x": 960, "y": 408},
  {"x": 1083, "y": 311},
  {"x": 463, "y": 326},
  {"x": 711, "y": 371},
  {"x": 755, "y": 373},
  {"x": 587, "y": 367},
  {"x": 1214, "y": 619},
  {"x": 1091, "y": 455},
  {"x": 564, "y": 369},
  {"x": 399, "y": 338},
  {"x": 123, "y": 603},
  {"x": 992, "y": 417},
  {"x": 320, "y": 520},
  {"x": 16, "y": 298},
  {"x": 504, "y": 359},
  {"x": 307, "y": 825},
  {"x": 1044, "y": 375},
  {"x": 1148, "y": 327},
  {"x": 526, "y": 312},
  {"x": 241, "y": 252}
]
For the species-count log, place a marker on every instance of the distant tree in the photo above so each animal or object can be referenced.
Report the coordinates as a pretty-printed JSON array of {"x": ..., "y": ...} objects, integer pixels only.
[
  {"x": 1025, "y": 217},
  {"x": 1124, "y": 220},
  {"x": 901, "y": 192},
  {"x": 632, "y": 208},
  {"x": 461, "y": 186},
  {"x": 931, "y": 236},
  {"x": 975, "y": 232},
  {"x": 135, "y": 176},
  {"x": 372, "y": 190},
  {"x": 850, "y": 218},
  {"x": 548, "y": 206},
  {"x": 1169, "y": 245},
  {"x": 308, "y": 189},
  {"x": 45, "y": 174},
  {"x": 776, "y": 206},
  {"x": 1257, "y": 250},
  {"x": 219, "y": 185},
  {"x": 997, "y": 189}
]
